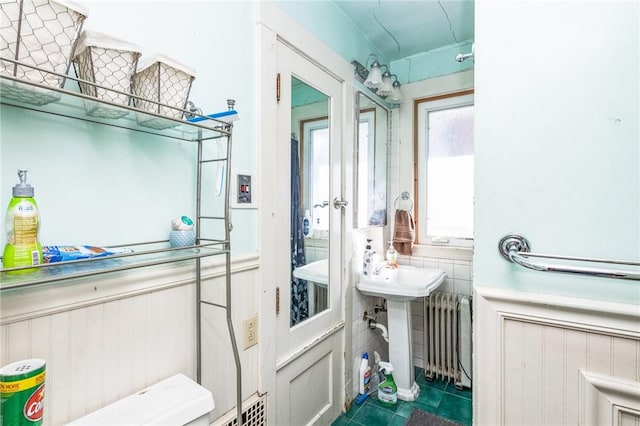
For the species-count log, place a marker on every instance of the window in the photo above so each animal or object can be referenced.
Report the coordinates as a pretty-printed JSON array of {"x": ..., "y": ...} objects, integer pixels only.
[
  {"x": 316, "y": 172},
  {"x": 445, "y": 133},
  {"x": 366, "y": 155}
]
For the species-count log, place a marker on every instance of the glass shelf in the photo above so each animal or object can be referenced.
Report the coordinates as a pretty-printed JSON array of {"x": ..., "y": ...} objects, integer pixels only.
[
  {"x": 52, "y": 100},
  {"x": 40, "y": 97},
  {"x": 147, "y": 256}
]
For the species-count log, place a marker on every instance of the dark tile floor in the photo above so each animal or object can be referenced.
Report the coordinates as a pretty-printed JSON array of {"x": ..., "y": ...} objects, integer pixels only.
[{"x": 439, "y": 398}]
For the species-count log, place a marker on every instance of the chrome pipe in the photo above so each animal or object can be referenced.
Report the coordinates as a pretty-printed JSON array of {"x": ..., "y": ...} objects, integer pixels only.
[{"x": 516, "y": 249}]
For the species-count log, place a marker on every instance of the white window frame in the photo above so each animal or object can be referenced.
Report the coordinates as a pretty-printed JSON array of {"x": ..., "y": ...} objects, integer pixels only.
[
  {"x": 367, "y": 120},
  {"x": 308, "y": 126},
  {"x": 424, "y": 106}
]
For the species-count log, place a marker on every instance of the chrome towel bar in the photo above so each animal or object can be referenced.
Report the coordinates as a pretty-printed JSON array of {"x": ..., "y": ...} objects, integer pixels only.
[{"x": 515, "y": 248}]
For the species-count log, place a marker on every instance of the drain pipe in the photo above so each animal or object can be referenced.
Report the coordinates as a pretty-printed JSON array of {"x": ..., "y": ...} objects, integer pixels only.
[{"x": 373, "y": 324}]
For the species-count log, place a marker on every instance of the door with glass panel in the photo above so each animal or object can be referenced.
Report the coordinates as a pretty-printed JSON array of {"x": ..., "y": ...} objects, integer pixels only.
[{"x": 310, "y": 318}]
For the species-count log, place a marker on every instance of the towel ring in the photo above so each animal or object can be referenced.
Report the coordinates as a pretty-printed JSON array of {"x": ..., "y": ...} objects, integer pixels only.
[{"x": 404, "y": 197}]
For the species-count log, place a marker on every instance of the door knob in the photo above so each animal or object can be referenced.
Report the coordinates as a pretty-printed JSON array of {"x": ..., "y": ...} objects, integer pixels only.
[{"x": 339, "y": 203}]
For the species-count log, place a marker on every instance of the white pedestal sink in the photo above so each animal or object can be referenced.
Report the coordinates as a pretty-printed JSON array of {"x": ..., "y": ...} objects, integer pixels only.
[
  {"x": 317, "y": 274},
  {"x": 399, "y": 288}
]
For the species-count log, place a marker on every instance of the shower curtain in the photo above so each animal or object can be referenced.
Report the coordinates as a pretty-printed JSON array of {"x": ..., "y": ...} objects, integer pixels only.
[{"x": 299, "y": 295}]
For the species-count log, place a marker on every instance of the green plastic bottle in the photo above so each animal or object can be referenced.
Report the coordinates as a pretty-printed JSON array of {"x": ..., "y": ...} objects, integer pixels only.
[
  {"x": 387, "y": 390},
  {"x": 22, "y": 224}
]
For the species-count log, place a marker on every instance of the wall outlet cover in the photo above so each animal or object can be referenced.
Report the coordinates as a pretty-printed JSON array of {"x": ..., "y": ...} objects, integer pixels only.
[{"x": 250, "y": 327}]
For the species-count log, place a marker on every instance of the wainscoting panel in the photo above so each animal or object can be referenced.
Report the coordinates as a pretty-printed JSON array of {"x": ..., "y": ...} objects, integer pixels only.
[
  {"x": 108, "y": 347},
  {"x": 608, "y": 400},
  {"x": 542, "y": 348}
]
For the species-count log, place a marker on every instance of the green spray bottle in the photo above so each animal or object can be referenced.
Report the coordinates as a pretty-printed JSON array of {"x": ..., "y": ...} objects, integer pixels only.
[
  {"x": 22, "y": 224},
  {"x": 387, "y": 390}
]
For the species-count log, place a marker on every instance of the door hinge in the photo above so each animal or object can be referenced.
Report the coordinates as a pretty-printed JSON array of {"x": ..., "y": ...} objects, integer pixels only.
[
  {"x": 278, "y": 87},
  {"x": 277, "y": 300}
]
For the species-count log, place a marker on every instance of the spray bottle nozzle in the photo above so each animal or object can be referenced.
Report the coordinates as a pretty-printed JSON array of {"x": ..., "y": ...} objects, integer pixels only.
[{"x": 387, "y": 367}]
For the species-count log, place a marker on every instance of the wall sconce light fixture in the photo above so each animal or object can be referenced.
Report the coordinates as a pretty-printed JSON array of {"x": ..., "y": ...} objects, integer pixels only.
[{"x": 380, "y": 83}]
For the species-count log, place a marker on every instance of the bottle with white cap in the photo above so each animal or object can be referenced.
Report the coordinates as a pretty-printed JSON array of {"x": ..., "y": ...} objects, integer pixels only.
[
  {"x": 22, "y": 224},
  {"x": 387, "y": 390}
]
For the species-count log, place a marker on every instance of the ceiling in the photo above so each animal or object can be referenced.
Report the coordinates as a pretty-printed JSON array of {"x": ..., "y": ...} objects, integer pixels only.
[{"x": 401, "y": 28}]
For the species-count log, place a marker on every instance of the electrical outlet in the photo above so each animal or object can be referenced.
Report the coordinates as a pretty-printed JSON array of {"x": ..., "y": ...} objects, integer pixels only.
[{"x": 250, "y": 332}]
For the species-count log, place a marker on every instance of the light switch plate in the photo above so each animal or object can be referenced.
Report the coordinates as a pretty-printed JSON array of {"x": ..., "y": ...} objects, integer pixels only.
[{"x": 243, "y": 191}]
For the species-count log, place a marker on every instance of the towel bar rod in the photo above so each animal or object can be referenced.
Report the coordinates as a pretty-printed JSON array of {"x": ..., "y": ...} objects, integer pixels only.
[
  {"x": 515, "y": 248},
  {"x": 581, "y": 259}
]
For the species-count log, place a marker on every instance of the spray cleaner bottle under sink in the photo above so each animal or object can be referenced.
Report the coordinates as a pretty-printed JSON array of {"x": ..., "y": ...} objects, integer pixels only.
[{"x": 387, "y": 390}]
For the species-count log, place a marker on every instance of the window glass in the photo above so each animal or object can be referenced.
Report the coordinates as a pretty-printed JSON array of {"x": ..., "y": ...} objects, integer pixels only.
[
  {"x": 366, "y": 144},
  {"x": 316, "y": 141},
  {"x": 445, "y": 171}
]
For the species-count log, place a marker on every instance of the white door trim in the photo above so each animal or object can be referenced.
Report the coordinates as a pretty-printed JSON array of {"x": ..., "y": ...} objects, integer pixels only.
[{"x": 273, "y": 25}]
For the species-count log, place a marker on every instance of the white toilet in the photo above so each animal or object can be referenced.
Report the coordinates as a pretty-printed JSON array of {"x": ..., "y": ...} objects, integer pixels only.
[{"x": 177, "y": 400}]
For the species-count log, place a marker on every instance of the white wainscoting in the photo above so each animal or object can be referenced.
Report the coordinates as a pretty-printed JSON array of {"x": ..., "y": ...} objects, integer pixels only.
[
  {"x": 107, "y": 337},
  {"x": 537, "y": 357}
]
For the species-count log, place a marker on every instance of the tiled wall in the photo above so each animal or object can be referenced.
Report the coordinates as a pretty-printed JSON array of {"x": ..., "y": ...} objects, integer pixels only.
[
  {"x": 316, "y": 249},
  {"x": 364, "y": 339}
]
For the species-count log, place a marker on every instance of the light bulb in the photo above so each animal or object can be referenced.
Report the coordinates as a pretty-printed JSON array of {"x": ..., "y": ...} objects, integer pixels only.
[
  {"x": 387, "y": 86},
  {"x": 396, "y": 95},
  {"x": 374, "y": 79}
]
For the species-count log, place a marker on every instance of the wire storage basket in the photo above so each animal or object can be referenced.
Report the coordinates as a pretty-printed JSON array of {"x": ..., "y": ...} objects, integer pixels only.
[
  {"x": 161, "y": 86},
  {"x": 40, "y": 33},
  {"x": 109, "y": 63}
]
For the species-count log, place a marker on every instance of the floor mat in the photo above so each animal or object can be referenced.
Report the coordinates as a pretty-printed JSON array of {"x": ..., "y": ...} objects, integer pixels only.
[{"x": 422, "y": 418}]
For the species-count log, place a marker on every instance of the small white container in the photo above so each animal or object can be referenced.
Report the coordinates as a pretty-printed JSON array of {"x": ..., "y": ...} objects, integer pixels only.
[
  {"x": 43, "y": 35},
  {"x": 164, "y": 81},
  {"x": 108, "y": 62}
]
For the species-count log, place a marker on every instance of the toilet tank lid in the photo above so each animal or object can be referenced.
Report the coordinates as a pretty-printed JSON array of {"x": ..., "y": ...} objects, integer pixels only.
[{"x": 173, "y": 401}]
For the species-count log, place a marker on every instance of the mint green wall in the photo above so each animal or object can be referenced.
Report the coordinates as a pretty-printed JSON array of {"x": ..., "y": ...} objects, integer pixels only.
[
  {"x": 96, "y": 185},
  {"x": 557, "y": 131},
  {"x": 433, "y": 63}
]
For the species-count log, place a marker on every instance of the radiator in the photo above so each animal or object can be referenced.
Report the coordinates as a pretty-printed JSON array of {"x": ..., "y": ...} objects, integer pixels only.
[{"x": 447, "y": 339}]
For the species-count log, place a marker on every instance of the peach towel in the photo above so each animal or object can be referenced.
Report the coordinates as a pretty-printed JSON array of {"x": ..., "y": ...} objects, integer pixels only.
[{"x": 404, "y": 232}]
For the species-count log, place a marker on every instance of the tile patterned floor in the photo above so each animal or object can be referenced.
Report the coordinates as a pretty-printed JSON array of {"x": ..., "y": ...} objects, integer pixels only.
[{"x": 441, "y": 399}]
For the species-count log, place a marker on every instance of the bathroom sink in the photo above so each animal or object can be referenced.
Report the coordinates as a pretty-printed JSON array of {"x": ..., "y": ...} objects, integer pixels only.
[
  {"x": 403, "y": 284},
  {"x": 399, "y": 287},
  {"x": 317, "y": 271}
]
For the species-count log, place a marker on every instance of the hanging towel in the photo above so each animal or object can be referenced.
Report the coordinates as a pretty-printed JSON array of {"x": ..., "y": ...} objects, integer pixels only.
[{"x": 404, "y": 232}]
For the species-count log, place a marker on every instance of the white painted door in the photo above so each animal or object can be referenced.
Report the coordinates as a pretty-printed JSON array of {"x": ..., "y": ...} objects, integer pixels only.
[{"x": 310, "y": 349}]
